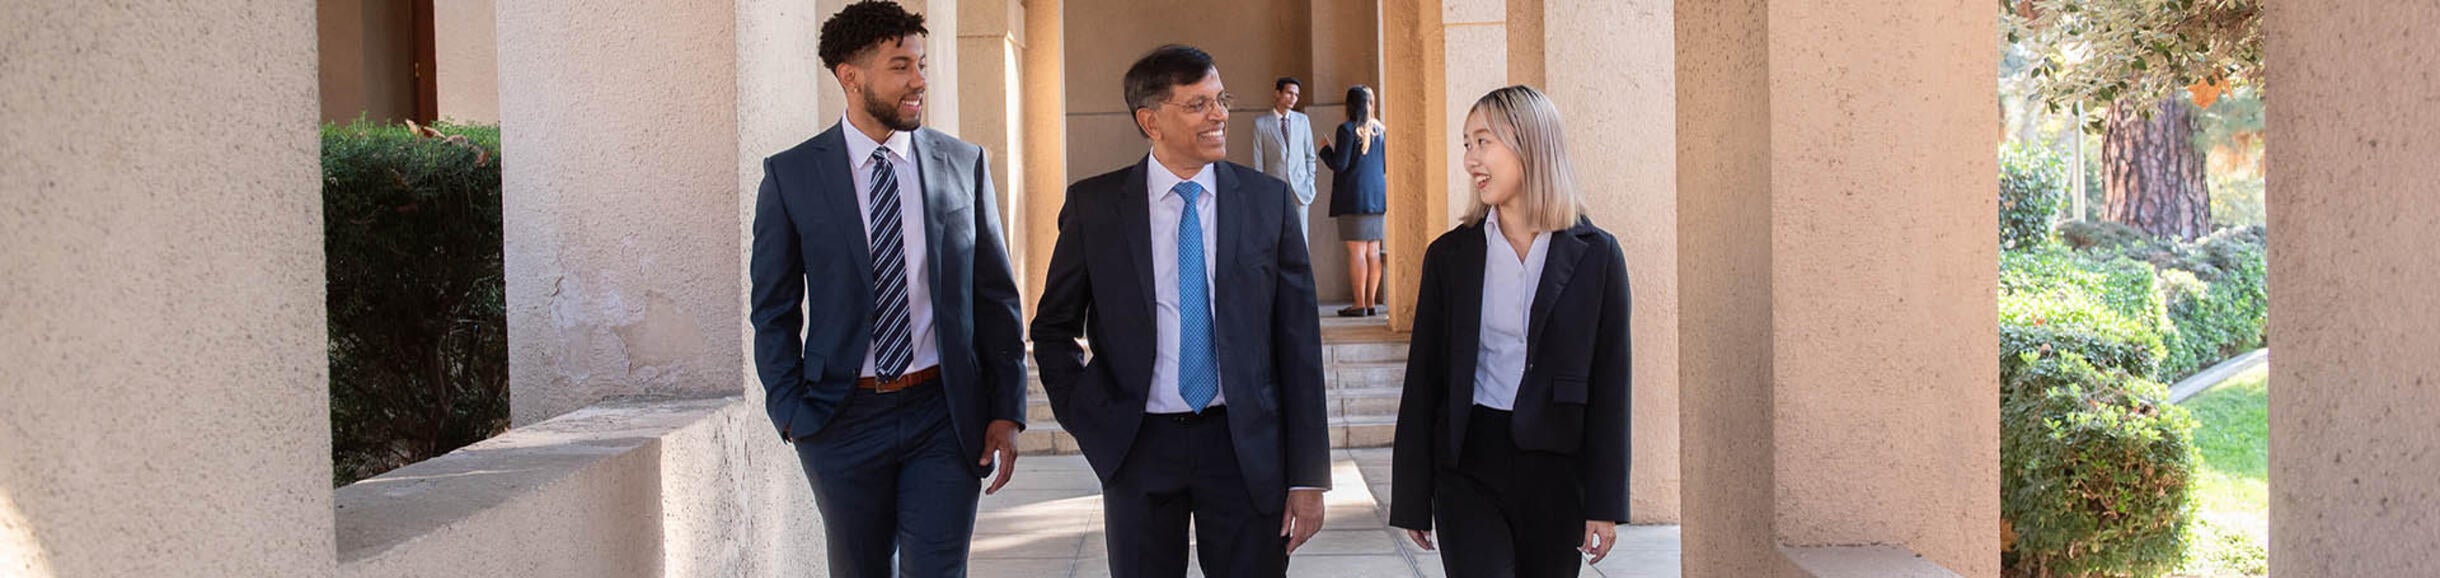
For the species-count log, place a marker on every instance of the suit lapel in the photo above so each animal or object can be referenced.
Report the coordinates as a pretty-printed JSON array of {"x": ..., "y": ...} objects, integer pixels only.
[
  {"x": 1566, "y": 248},
  {"x": 1466, "y": 304},
  {"x": 1235, "y": 221},
  {"x": 838, "y": 191},
  {"x": 1135, "y": 217},
  {"x": 941, "y": 198}
]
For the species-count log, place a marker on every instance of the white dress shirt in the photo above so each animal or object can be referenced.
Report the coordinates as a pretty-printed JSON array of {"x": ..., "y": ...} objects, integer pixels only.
[
  {"x": 910, "y": 226},
  {"x": 1509, "y": 285},
  {"x": 1167, "y": 207}
]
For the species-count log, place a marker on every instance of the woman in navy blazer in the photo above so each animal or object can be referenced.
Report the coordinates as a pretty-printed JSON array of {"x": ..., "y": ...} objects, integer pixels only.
[
  {"x": 1358, "y": 197},
  {"x": 1512, "y": 433}
]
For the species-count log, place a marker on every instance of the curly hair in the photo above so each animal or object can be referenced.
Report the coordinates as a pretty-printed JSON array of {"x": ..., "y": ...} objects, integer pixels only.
[{"x": 863, "y": 25}]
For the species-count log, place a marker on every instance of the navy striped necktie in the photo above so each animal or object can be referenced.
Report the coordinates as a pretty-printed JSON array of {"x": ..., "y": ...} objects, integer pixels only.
[{"x": 892, "y": 347}]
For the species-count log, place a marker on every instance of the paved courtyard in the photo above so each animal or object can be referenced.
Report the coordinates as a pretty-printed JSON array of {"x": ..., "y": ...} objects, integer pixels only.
[{"x": 1047, "y": 524}]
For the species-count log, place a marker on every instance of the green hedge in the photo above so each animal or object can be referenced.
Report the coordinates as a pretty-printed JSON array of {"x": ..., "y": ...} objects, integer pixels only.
[
  {"x": 2211, "y": 297},
  {"x": 2032, "y": 190},
  {"x": 418, "y": 330},
  {"x": 2095, "y": 467}
]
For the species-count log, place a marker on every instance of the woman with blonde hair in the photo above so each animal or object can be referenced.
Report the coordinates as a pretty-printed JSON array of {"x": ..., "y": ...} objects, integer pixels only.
[
  {"x": 1359, "y": 196},
  {"x": 1512, "y": 432}
]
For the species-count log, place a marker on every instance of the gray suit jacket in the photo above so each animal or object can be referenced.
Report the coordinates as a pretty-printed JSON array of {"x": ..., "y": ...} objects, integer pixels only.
[{"x": 1287, "y": 157}]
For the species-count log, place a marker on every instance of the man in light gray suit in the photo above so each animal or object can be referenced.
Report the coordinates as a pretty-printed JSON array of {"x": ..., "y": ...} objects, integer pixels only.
[{"x": 1283, "y": 147}]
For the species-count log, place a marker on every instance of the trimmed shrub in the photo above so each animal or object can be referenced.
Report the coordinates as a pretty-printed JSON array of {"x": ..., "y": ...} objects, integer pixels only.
[
  {"x": 2224, "y": 317},
  {"x": 2095, "y": 466},
  {"x": 418, "y": 329},
  {"x": 2101, "y": 235},
  {"x": 2032, "y": 190},
  {"x": 2212, "y": 291},
  {"x": 2054, "y": 301}
]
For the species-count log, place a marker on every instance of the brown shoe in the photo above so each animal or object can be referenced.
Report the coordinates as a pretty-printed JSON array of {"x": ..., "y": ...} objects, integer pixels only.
[{"x": 1351, "y": 311}]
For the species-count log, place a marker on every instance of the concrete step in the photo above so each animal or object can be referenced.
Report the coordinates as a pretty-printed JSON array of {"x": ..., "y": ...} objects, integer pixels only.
[
  {"x": 1348, "y": 403},
  {"x": 1045, "y": 437},
  {"x": 1335, "y": 376}
]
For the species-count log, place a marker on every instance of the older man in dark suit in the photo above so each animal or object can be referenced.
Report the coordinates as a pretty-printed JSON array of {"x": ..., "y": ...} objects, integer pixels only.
[{"x": 1203, "y": 397}]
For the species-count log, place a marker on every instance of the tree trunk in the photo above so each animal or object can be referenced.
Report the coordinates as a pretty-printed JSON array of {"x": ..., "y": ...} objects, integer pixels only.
[{"x": 2153, "y": 174}]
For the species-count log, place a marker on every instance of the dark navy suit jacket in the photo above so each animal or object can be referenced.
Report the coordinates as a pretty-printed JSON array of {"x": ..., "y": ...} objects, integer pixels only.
[
  {"x": 1265, "y": 325},
  {"x": 1358, "y": 183},
  {"x": 812, "y": 262},
  {"x": 1574, "y": 398}
]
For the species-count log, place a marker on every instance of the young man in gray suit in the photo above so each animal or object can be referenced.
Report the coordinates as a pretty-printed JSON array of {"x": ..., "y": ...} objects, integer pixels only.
[
  {"x": 1283, "y": 147},
  {"x": 908, "y": 384}
]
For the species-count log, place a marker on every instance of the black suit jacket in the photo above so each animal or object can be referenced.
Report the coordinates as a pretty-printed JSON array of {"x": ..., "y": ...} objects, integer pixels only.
[
  {"x": 1264, "y": 324},
  {"x": 812, "y": 259},
  {"x": 1574, "y": 396}
]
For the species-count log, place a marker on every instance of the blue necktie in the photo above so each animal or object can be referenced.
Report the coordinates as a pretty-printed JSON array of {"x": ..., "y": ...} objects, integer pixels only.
[
  {"x": 893, "y": 349},
  {"x": 1198, "y": 371}
]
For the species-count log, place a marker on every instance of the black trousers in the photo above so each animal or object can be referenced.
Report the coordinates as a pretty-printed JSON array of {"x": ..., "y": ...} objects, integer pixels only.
[
  {"x": 1503, "y": 512},
  {"x": 893, "y": 486},
  {"x": 1182, "y": 468}
]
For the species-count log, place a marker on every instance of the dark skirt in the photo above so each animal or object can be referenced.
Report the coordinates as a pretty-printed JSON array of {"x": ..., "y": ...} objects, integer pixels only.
[{"x": 1360, "y": 227}]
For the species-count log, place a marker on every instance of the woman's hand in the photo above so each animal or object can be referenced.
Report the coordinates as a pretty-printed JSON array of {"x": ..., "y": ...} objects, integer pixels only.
[
  {"x": 1421, "y": 538},
  {"x": 1605, "y": 531}
]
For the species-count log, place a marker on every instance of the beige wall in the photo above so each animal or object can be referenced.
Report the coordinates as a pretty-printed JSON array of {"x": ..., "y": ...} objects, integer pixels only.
[
  {"x": 1611, "y": 74},
  {"x": 367, "y": 59},
  {"x": 1102, "y": 135},
  {"x": 466, "y": 59},
  {"x": 1044, "y": 105},
  {"x": 626, "y": 142},
  {"x": 2354, "y": 448},
  {"x": 162, "y": 358}
]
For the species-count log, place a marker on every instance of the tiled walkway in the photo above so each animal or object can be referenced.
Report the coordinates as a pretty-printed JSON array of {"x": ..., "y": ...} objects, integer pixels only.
[{"x": 1047, "y": 524}]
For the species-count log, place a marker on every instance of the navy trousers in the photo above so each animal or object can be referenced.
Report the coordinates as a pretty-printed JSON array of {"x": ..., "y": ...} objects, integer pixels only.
[
  {"x": 1184, "y": 468},
  {"x": 889, "y": 479}
]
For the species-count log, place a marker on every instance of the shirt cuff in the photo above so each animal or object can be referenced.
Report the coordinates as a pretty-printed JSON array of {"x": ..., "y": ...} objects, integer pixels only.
[{"x": 1295, "y": 488}]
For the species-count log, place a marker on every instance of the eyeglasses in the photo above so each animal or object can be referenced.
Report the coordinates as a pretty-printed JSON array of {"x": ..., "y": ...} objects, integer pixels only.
[{"x": 1201, "y": 106}]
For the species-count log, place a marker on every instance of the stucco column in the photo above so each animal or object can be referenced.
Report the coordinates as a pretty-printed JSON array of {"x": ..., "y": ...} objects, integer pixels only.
[
  {"x": 164, "y": 376},
  {"x": 2354, "y": 213},
  {"x": 991, "y": 42},
  {"x": 1611, "y": 71},
  {"x": 1725, "y": 286},
  {"x": 1044, "y": 132},
  {"x": 620, "y": 208},
  {"x": 1439, "y": 55},
  {"x": 1838, "y": 212}
]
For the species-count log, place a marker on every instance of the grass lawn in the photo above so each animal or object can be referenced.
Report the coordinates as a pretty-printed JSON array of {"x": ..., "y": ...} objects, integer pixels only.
[{"x": 2231, "y": 532}]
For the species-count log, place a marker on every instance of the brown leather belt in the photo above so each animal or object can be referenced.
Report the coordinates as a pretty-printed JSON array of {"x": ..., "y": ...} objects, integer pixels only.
[{"x": 916, "y": 378}]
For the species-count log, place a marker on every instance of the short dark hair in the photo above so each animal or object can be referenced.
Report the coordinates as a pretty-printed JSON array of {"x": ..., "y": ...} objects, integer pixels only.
[
  {"x": 1149, "y": 80},
  {"x": 1284, "y": 82},
  {"x": 863, "y": 25}
]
